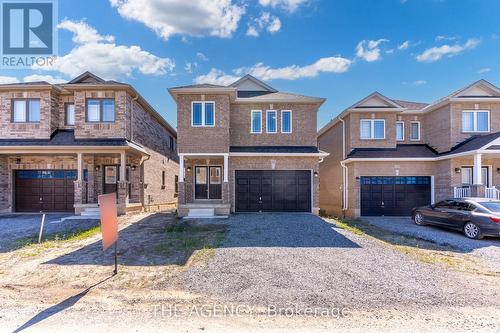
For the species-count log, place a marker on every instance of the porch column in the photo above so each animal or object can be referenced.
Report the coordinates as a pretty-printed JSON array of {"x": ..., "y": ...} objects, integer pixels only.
[
  {"x": 122, "y": 198},
  {"x": 478, "y": 189},
  {"x": 79, "y": 184},
  {"x": 225, "y": 184},
  {"x": 181, "y": 168},
  {"x": 477, "y": 170}
]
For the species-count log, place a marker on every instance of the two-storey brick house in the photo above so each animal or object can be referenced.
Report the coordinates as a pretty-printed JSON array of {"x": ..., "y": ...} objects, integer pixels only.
[
  {"x": 388, "y": 156},
  {"x": 246, "y": 148},
  {"x": 62, "y": 145}
]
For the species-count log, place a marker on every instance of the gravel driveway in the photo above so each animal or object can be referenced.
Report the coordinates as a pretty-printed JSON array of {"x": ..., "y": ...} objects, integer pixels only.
[
  {"x": 294, "y": 259},
  {"x": 14, "y": 227},
  {"x": 487, "y": 249}
]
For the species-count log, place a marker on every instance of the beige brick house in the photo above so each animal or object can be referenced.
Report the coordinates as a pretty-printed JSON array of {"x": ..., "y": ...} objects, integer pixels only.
[
  {"x": 62, "y": 145},
  {"x": 388, "y": 156},
  {"x": 246, "y": 148}
]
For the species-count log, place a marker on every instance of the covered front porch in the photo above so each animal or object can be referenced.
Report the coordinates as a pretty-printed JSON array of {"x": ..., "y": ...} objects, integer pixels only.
[{"x": 204, "y": 185}]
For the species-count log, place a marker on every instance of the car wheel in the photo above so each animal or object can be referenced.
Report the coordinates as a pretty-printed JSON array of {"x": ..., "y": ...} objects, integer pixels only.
[
  {"x": 471, "y": 230},
  {"x": 418, "y": 218}
]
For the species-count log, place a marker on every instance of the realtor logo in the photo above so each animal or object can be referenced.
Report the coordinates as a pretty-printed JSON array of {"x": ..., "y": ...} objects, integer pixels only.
[{"x": 29, "y": 35}]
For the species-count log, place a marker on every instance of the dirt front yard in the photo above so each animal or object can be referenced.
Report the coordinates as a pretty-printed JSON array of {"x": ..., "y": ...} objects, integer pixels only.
[{"x": 268, "y": 272}]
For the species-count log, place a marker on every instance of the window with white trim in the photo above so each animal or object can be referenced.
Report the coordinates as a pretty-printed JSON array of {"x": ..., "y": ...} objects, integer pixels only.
[
  {"x": 476, "y": 121},
  {"x": 286, "y": 121},
  {"x": 400, "y": 131},
  {"x": 203, "y": 114},
  {"x": 271, "y": 126},
  {"x": 372, "y": 129},
  {"x": 415, "y": 131},
  {"x": 256, "y": 121},
  {"x": 25, "y": 110}
]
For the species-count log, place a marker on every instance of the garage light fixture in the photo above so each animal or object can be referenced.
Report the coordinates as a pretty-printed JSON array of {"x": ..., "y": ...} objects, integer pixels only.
[
  {"x": 188, "y": 169},
  {"x": 458, "y": 170},
  {"x": 97, "y": 168},
  {"x": 316, "y": 174}
]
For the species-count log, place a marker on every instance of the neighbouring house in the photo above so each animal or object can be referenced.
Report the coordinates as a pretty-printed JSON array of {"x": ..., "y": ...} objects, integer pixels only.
[
  {"x": 388, "y": 156},
  {"x": 62, "y": 145},
  {"x": 246, "y": 147}
]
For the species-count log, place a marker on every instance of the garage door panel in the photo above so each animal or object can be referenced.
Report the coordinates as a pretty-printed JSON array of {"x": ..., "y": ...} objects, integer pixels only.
[{"x": 277, "y": 190}]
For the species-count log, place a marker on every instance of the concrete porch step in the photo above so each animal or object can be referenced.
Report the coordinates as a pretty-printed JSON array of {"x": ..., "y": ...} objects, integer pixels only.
[{"x": 201, "y": 212}]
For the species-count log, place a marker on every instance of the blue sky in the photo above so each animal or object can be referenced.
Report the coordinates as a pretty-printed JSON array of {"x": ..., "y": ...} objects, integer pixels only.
[{"x": 340, "y": 50}]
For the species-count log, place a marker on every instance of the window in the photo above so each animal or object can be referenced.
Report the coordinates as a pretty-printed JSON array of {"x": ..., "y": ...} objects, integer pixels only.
[
  {"x": 256, "y": 126},
  {"x": 171, "y": 143},
  {"x": 286, "y": 121},
  {"x": 415, "y": 131},
  {"x": 163, "y": 180},
  {"x": 26, "y": 110},
  {"x": 100, "y": 111},
  {"x": 372, "y": 129},
  {"x": 271, "y": 122},
  {"x": 446, "y": 204},
  {"x": 203, "y": 114},
  {"x": 400, "y": 131},
  {"x": 69, "y": 114},
  {"x": 468, "y": 175},
  {"x": 475, "y": 121}
]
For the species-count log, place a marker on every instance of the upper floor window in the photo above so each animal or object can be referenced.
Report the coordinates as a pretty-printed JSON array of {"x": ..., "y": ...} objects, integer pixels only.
[
  {"x": 400, "y": 131},
  {"x": 286, "y": 121},
  {"x": 69, "y": 114},
  {"x": 476, "y": 121},
  {"x": 415, "y": 131},
  {"x": 256, "y": 126},
  {"x": 372, "y": 129},
  {"x": 203, "y": 114},
  {"x": 271, "y": 122},
  {"x": 100, "y": 110},
  {"x": 171, "y": 143},
  {"x": 26, "y": 110}
]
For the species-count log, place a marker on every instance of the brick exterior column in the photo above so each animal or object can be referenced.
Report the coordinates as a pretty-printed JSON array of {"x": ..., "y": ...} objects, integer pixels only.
[
  {"x": 478, "y": 191},
  {"x": 122, "y": 198},
  {"x": 182, "y": 193},
  {"x": 225, "y": 193},
  {"x": 79, "y": 185}
]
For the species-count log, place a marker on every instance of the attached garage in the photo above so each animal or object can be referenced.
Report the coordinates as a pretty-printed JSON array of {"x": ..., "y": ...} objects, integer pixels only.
[
  {"x": 273, "y": 191},
  {"x": 44, "y": 190},
  {"x": 393, "y": 196}
]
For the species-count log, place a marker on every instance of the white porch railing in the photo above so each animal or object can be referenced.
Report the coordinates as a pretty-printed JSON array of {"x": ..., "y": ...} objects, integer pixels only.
[
  {"x": 492, "y": 193},
  {"x": 461, "y": 192}
]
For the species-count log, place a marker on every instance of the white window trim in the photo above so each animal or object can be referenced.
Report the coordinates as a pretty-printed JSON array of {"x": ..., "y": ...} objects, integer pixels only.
[
  {"x": 276, "y": 121},
  {"x": 402, "y": 123},
  {"x": 291, "y": 122},
  {"x": 372, "y": 129},
  {"x": 474, "y": 119},
  {"x": 251, "y": 121},
  {"x": 418, "y": 123},
  {"x": 202, "y": 113}
]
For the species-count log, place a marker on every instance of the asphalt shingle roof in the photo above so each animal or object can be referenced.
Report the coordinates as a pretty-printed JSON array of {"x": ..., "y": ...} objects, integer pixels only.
[
  {"x": 63, "y": 138},
  {"x": 274, "y": 149}
]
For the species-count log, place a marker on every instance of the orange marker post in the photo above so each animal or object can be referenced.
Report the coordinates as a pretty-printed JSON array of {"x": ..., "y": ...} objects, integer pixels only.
[{"x": 109, "y": 223}]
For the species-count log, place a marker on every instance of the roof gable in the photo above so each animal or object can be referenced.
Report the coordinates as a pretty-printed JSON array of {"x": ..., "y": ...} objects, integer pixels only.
[
  {"x": 87, "y": 77},
  {"x": 375, "y": 100},
  {"x": 480, "y": 88},
  {"x": 250, "y": 83}
]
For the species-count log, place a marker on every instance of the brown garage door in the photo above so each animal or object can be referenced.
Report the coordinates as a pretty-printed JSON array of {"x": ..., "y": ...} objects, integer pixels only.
[
  {"x": 44, "y": 190},
  {"x": 273, "y": 191}
]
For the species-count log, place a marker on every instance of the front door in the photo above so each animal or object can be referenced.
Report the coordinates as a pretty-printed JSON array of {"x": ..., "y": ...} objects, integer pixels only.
[
  {"x": 111, "y": 174},
  {"x": 208, "y": 182}
]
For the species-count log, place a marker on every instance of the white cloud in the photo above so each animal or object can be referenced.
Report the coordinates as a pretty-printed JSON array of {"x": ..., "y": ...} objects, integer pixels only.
[
  {"x": 201, "y": 56},
  {"x": 266, "y": 21},
  {"x": 484, "y": 70},
  {"x": 404, "y": 46},
  {"x": 288, "y": 5},
  {"x": 84, "y": 33},
  {"x": 190, "y": 66},
  {"x": 266, "y": 73},
  {"x": 8, "y": 79},
  {"x": 104, "y": 57},
  {"x": 438, "y": 52},
  {"x": 48, "y": 78},
  {"x": 218, "y": 18},
  {"x": 442, "y": 37},
  {"x": 369, "y": 50},
  {"x": 216, "y": 76},
  {"x": 419, "y": 82}
]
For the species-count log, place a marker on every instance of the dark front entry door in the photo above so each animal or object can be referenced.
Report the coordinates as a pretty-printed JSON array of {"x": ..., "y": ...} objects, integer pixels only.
[
  {"x": 394, "y": 196},
  {"x": 208, "y": 182},
  {"x": 111, "y": 176},
  {"x": 45, "y": 190},
  {"x": 273, "y": 191}
]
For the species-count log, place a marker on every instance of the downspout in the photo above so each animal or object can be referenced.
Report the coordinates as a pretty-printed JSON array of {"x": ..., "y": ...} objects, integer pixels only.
[{"x": 345, "y": 173}]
